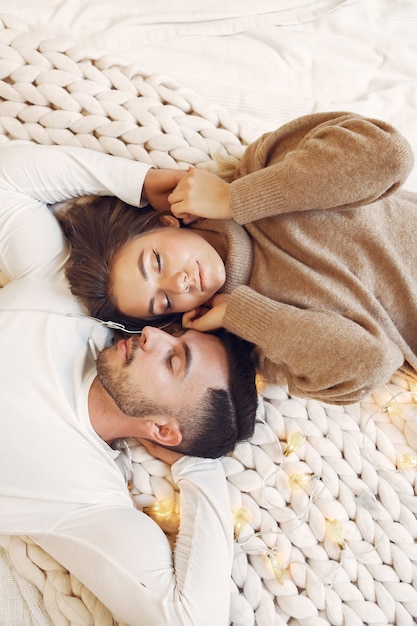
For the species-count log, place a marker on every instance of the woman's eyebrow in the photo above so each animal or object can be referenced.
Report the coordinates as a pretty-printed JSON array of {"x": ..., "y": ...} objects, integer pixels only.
[
  {"x": 142, "y": 266},
  {"x": 146, "y": 276}
]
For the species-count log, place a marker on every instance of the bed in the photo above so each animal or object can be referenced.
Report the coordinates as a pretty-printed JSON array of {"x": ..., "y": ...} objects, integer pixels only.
[{"x": 324, "y": 497}]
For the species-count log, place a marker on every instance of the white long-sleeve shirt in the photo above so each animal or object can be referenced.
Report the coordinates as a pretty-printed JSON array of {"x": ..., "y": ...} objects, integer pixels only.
[{"x": 59, "y": 481}]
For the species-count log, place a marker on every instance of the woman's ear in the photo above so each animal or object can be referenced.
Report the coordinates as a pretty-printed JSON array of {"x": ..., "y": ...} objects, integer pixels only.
[
  {"x": 164, "y": 430},
  {"x": 169, "y": 220}
]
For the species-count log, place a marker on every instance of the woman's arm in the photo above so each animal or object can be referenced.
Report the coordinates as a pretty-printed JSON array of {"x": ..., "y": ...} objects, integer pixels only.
[
  {"x": 322, "y": 161},
  {"x": 319, "y": 161},
  {"x": 328, "y": 356}
]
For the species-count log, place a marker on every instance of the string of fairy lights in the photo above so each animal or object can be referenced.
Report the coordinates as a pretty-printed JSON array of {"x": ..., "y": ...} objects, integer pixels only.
[{"x": 165, "y": 513}]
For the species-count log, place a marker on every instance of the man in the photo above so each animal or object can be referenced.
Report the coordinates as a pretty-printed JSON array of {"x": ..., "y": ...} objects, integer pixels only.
[{"x": 68, "y": 392}]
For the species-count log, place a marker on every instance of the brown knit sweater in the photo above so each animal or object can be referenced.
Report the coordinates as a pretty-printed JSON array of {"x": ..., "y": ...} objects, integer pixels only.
[{"x": 330, "y": 297}]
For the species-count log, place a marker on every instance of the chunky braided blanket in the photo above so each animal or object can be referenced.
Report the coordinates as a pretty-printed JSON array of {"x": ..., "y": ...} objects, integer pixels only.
[{"x": 324, "y": 497}]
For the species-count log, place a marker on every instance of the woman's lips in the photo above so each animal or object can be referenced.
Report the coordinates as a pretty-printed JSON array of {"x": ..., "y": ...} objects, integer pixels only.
[{"x": 200, "y": 278}]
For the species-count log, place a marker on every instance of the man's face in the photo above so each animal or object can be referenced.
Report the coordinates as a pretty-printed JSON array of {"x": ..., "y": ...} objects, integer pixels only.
[{"x": 161, "y": 373}]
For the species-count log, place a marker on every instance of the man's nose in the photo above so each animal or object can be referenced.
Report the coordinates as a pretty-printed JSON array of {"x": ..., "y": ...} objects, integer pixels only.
[{"x": 153, "y": 338}]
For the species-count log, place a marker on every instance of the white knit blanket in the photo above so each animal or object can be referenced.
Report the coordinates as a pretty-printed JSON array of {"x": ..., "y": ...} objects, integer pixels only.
[{"x": 324, "y": 497}]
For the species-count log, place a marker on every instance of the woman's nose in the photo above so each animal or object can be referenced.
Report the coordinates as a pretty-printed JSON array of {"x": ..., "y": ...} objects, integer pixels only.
[{"x": 180, "y": 282}]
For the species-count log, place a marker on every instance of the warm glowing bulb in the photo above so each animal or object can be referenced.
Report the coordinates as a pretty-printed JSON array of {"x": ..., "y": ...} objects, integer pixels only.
[
  {"x": 335, "y": 529},
  {"x": 241, "y": 519},
  {"x": 295, "y": 441},
  {"x": 298, "y": 481},
  {"x": 160, "y": 509},
  {"x": 260, "y": 383},
  {"x": 407, "y": 461},
  {"x": 279, "y": 568},
  {"x": 392, "y": 408}
]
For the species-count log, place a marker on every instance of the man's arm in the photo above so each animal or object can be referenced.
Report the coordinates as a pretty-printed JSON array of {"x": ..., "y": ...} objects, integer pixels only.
[
  {"x": 158, "y": 185},
  {"x": 33, "y": 176},
  {"x": 124, "y": 558}
]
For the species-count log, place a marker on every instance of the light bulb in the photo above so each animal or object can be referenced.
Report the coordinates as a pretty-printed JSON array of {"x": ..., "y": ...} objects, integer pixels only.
[
  {"x": 298, "y": 481},
  {"x": 295, "y": 441},
  {"x": 367, "y": 500},
  {"x": 160, "y": 509},
  {"x": 241, "y": 519},
  {"x": 335, "y": 528},
  {"x": 392, "y": 408},
  {"x": 260, "y": 382},
  {"x": 279, "y": 568},
  {"x": 407, "y": 461}
]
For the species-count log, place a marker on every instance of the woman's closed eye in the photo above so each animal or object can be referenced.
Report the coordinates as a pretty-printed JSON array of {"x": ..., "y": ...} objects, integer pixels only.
[
  {"x": 168, "y": 302},
  {"x": 165, "y": 301},
  {"x": 160, "y": 304},
  {"x": 158, "y": 260}
]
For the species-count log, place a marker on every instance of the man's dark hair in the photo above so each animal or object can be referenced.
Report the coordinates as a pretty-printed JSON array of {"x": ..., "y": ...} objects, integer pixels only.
[{"x": 225, "y": 416}]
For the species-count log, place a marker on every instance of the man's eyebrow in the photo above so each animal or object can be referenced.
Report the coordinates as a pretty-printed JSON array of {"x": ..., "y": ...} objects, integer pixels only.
[
  {"x": 188, "y": 358},
  {"x": 145, "y": 276}
]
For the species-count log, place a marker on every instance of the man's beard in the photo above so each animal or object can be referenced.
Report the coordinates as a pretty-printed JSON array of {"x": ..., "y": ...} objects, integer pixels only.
[{"x": 122, "y": 388}]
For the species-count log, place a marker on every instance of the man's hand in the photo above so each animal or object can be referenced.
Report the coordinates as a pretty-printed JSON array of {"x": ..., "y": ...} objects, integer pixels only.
[
  {"x": 205, "y": 319},
  {"x": 200, "y": 194},
  {"x": 158, "y": 185},
  {"x": 169, "y": 456}
]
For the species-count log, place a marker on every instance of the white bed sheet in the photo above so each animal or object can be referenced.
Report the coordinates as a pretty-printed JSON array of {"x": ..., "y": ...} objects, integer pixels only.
[{"x": 265, "y": 62}]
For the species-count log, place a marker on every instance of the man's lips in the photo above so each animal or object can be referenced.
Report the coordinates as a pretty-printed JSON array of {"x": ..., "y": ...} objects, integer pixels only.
[
  {"x": 124, "y": 347},
  {"x": 121, "y": 345}
]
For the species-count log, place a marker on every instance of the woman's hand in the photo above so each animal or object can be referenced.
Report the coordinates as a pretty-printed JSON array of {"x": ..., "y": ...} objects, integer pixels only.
[
  {"x": 200, "y": 194},
  {"x": 205, "y": 319},
  {"x": 158, "y": 185}
]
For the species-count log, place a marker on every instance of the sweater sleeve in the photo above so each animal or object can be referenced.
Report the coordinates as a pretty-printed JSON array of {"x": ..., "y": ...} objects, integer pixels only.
[
  {"x": 319, "y": 161},
  {"x": 324, "y": 355}
]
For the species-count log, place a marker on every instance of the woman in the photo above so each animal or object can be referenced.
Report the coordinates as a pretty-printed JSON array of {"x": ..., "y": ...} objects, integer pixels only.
[{"x": 312, "y": 246}]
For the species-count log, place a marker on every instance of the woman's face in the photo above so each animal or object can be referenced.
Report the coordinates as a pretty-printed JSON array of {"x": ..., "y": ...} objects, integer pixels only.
[{"x": 170, "y": 270}]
